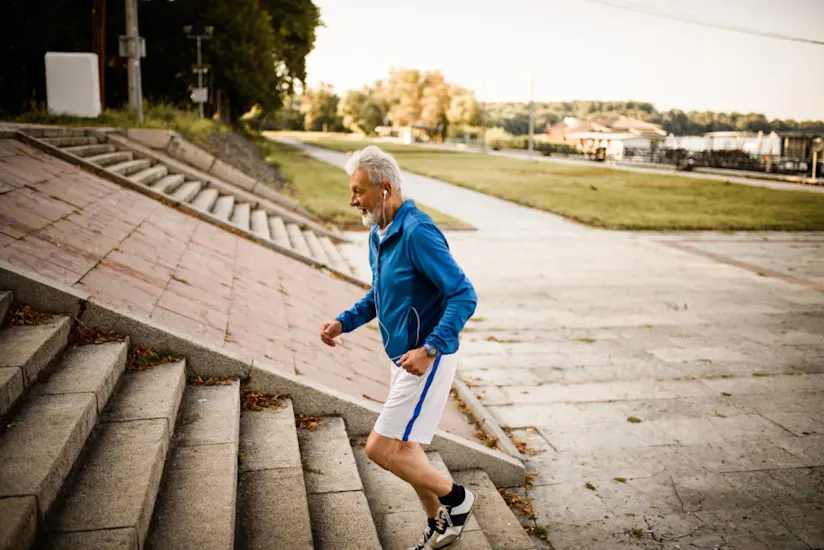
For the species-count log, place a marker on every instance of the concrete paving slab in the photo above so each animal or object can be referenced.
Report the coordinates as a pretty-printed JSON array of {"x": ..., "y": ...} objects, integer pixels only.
[
  {"x": 342, "y": 520},
  {"x": 269, "y": 440},
  {"x": 93, "y": 369},
  {"x": 209, "y": 415},
  {"x": 18, "y": 522},
  {"x": 113, "y": 539},
  {"x": 118, "y": 484},
  {"x": 195, "y": 507},
  {"x": 38, "y": 452},
  {"x": 328, "y": 463},
  {"x": 31, "y": 347},
  {"x": 154, "y": 393},
  {"x": 273, "y": 506}
]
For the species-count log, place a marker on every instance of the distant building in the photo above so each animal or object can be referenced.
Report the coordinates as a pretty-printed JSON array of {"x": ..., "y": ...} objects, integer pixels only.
[
  {"x": 608, "y": 137},
  {"x": 791, "y": 144}
]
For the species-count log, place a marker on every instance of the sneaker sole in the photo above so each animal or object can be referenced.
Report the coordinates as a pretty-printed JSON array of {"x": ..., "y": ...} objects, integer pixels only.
[{"x": 460, "y": 533}]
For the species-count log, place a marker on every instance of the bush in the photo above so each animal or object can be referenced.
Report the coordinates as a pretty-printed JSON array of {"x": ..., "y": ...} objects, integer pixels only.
[{"x": 498, "y": 138}]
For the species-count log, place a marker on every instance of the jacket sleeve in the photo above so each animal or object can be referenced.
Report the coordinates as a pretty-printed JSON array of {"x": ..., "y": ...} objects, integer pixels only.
[
  {"x": 430, "y": 255},
  {"x": 360, "y": 314}
]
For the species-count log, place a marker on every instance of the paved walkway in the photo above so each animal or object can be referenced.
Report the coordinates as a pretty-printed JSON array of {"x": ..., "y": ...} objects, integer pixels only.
[{"x": 672, "y": 385}]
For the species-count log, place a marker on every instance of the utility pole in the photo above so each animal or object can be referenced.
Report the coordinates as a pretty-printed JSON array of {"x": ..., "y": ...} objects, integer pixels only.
[
  {"x": 134, "y": 47},
  {"x": 200, "y": 95},
  {"x": 531, "y": 114},
  {"x": 483, "y": 127}
]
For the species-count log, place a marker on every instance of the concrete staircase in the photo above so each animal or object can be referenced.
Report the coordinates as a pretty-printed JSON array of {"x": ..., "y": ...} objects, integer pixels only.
[
  {"x": 222, "y": 203},
  {"x": 95, "y": 454}
]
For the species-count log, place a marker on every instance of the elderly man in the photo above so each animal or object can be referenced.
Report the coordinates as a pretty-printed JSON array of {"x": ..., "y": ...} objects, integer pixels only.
[{"x": 422, "y": 300}]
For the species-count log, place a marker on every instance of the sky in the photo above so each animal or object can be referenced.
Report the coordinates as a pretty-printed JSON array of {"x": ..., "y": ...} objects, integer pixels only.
[{"x": 579, "y": 49}]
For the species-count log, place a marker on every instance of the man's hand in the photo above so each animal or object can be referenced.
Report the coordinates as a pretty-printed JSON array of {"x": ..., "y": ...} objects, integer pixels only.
[
  {"x": 330, "y": 331},
  {"x": 416, "y": 362}
]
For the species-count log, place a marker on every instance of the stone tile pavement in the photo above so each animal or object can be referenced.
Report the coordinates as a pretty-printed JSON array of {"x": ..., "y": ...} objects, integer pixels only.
[
  {"x": 159, "y": 263},
  {"x": 673, "y": 395}
]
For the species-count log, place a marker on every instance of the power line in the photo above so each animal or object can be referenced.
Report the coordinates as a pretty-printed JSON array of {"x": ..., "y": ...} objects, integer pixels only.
[{"x": 695, "y": 21}]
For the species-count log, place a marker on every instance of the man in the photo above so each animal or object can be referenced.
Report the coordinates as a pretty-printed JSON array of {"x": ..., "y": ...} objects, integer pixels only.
[{"x": 422, "y": 300}]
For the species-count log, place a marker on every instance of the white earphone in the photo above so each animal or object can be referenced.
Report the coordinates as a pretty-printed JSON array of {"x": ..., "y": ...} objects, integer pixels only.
[{"x": 384, "y": 194}]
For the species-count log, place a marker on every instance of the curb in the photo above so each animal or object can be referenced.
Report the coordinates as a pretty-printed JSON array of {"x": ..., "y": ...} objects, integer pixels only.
[{"x": 488, "y": 422}]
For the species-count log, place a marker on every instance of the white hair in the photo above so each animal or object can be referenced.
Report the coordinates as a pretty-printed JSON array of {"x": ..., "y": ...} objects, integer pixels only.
[{"x": 380, "y": 166}]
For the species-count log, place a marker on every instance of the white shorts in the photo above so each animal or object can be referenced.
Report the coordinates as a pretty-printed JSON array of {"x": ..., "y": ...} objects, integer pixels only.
[{"x": 415, "y": 404}]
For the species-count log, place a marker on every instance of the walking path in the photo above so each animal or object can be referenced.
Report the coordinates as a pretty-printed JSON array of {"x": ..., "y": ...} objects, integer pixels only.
[{"x": 671, "y": 385}]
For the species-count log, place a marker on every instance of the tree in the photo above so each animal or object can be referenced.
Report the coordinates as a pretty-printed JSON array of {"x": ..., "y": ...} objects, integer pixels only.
[
  {"x": 434, "y": 101},
  {"x": 403, "y": 92},
  {"x": 320, "y": 109},
  {"x": 360, "y": 112},
  {"x": 256, "y": 56},
  {"x": 463, "y": 107}
]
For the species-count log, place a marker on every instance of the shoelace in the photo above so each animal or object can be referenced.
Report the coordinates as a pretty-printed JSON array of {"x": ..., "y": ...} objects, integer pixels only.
[
  {"x": 424, "y": 538},
  {"x": 442, "y": 521}
]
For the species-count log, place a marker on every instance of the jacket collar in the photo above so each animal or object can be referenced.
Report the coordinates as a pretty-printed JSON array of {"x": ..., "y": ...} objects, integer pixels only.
[{"x": 397, "y": 221}]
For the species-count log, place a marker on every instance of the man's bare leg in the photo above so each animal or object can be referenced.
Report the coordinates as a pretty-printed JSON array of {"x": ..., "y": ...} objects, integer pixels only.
[
  {"x": 407, "y": 460},
  {"x": 429, "y": 500}
]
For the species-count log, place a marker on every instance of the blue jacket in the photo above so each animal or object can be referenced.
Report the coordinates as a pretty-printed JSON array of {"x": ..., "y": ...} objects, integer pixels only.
[{"x": 420, "y": 294}]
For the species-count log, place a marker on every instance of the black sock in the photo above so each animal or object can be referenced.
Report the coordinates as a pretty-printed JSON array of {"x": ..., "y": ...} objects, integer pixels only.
[
  {"x": 455, "y": 496},
  {"x": 431, "y": 522}
]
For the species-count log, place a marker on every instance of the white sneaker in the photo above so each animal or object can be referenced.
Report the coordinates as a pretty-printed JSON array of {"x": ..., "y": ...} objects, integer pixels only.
[
  {"x": 456, "y": 518},
  {"x": 429, "y": 534}
]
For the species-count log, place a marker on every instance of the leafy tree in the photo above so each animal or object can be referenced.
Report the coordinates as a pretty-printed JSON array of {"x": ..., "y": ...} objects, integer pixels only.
[
  {"x": 320, "y": 109},
  {"x": 360, "y": 111}
]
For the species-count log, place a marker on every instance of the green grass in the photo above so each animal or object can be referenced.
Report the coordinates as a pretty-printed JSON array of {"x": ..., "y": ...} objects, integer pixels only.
[
  {"x": 323, "y": 189},
  {"x": 160, "y": 116},
  {"x": 608, "y": 198}
]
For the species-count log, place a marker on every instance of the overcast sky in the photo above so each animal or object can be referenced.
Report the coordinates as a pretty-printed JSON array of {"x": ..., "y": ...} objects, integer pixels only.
[{"x": 582, "y": 50}]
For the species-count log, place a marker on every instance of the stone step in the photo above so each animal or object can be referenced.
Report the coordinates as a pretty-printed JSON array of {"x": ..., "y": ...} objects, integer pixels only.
[
  {"x": 279, "y": 234},
  {"x": 50, "y": 430},
  {"x": 116, "y": 483},
  {"x": 223, "y": 207},
  {"x": 18, "y": 523},
  {"x": 150, "y": 175},
  {"x": 68, "y": 141},
  {"x": 399, "y": 516},
  {"x": 338, "y": 509},
  {"x": 187, "y": 191},
  {"x": 335, "y": 259},
  {"x": 502, "y": 529},
  {"x": 6, "y": 299},
  {"x": 167, "y": 183},
  {"x": 240, "y": 215},
  {"x": 108, "y": 159},
  {"x": 472, "y": 537},
  {"x": 25, "y": 350},
  {"x": 196, "y": 505},
  {"x": 129, "y": 167},
  {"x": 317, "y": 251},
  {"x": 205, "y": 199},
  {"x": 260, "y": 224},
  {"x": 271, "y": 490},
  {"x": 56, "y": 132},
  {"x": 297, "y": 239},
  {"x": 88, "y": 150}
]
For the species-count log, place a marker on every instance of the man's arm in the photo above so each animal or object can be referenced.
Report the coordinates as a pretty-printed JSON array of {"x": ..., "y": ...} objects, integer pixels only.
[
  {"x": 431, "y": 256},
  {"x": 360, "y": 314}
]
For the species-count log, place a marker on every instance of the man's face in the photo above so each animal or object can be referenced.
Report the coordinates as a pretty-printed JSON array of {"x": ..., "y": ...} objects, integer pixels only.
[{"x": 364, "y": 196}]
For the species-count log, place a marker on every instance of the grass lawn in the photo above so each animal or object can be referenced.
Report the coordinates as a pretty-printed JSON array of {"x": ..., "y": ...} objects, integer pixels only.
[
  {"x": 608, "y": 198},
  {"x": 324, "y": 189},
  {"x": 159, "y": 116}
]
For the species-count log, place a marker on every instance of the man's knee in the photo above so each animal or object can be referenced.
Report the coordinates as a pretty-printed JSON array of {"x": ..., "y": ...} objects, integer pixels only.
[{"x": 377, "y": 450}]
